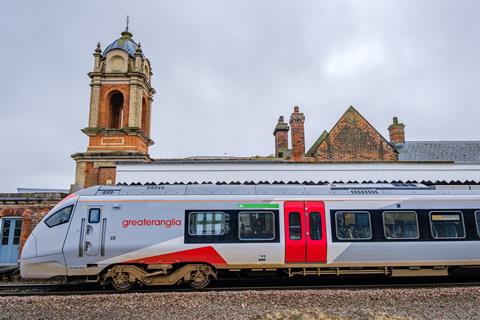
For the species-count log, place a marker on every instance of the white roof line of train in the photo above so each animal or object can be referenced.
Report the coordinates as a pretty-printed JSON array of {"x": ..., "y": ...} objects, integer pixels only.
[{"x": 281, "y": 190}]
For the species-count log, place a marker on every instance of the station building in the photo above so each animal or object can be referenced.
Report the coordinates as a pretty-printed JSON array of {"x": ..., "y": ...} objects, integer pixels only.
[{"x": 119, "y": 126}]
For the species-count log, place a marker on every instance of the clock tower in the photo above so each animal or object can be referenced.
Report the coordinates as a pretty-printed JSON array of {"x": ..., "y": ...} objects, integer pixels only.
[{"x": 120, "y": 111}]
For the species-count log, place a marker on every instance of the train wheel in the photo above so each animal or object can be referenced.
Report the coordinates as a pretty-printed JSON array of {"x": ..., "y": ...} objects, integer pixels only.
[
  {"x": 122, "y": 282},
  {"x": 199, "y": 280}
]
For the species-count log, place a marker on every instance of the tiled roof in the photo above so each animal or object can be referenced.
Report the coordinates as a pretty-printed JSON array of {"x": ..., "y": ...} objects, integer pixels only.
[{"x": 467, "y": 152}]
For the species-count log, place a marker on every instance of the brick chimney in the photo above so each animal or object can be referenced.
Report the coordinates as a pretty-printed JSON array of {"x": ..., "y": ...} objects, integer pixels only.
[
  {"x": 297, "y": 120},
  {"x": 281, "y": 137},
  {"x": 397, "y": 131}
]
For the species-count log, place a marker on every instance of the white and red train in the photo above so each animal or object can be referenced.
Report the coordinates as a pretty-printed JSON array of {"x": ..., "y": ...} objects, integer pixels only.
[{"x": 167, "y": 234}]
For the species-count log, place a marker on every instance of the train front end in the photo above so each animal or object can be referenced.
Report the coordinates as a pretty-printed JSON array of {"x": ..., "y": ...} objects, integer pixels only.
[{"x": 42, "y": 255}]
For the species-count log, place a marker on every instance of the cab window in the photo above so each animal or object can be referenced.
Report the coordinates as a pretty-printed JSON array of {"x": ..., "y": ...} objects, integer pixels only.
[
  {"x": 353, "y": 225},
  {"x": 60, "y": 217}
]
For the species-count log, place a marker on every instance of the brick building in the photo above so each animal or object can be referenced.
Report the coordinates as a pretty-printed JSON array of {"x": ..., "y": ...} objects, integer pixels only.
[{"x": 354, "y": 139}]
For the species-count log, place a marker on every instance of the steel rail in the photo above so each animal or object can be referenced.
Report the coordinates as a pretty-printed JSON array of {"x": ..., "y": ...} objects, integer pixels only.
[{"x": 25, "y": 290}]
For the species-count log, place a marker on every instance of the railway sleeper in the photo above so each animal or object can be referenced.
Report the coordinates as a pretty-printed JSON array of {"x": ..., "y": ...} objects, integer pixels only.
[{"x": 125, "y": 276}]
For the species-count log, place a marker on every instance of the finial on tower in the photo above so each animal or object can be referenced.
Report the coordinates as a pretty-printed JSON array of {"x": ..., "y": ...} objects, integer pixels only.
[
  {"x": 99, "y": 48},
  {"x": 138, "y": 51},
  {"x": 127, "y": 33}
]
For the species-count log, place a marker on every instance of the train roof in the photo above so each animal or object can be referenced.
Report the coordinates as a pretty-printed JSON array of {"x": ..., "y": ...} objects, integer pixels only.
[{"x": 282, "y": 189}]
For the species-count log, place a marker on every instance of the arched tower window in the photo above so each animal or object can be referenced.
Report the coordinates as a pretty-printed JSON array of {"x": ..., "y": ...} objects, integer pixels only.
[
  {"x": 144, "y": 116},
  {"x": 116, "y": 110}
]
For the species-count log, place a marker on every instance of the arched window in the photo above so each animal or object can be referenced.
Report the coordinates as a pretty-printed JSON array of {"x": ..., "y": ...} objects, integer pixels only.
[
  {"x": 144, "y": 116},
  {"x": 116, "y": 110}
]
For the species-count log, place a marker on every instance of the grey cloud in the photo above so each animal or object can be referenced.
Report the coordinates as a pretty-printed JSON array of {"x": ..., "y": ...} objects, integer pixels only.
[{"x": 225, "y": 70}]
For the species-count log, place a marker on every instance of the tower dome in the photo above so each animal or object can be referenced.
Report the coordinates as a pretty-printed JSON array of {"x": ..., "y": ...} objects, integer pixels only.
[{"x": 125, "y": 43}]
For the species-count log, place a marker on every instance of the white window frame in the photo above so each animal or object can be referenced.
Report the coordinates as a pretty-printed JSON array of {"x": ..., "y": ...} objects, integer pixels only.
[
  {"x": 354, "y": 211},
  {"x": 447, "y": 211},
  {"x": 208, "y": 235},
  {"x": 394, "y": 211},
  {"x": 253, "y": 212},
  {"x": 476, "y": 222}
]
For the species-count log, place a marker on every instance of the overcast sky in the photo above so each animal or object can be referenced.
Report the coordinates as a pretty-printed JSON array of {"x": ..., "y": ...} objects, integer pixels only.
[{"x": 225, "y": 70}]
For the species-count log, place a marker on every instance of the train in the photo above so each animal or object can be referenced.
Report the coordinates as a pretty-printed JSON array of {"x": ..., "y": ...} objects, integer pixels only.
[{"x": 172, "y": 234}]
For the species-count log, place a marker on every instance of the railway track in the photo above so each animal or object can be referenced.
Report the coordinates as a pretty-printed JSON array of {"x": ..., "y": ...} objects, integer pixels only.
[{"x": 69, "y": 289}]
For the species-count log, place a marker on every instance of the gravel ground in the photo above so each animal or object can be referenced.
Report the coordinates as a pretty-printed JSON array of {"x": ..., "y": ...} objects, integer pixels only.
[{"x": 431, "y": 303}]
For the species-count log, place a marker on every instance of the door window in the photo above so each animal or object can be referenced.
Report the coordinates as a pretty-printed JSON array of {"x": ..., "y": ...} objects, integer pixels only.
[
  {"x": 294, "y": 226},
  {"x": 5, "y": 231},
  {"x": 17, "y": 232},
  {"x": 94, "y": 215},
  {"x": 315, "y": 226}
]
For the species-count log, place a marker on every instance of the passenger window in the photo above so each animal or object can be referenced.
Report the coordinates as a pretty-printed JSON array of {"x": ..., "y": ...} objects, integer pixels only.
[
  {"x": 447, "y": 225},
  {"x": 315, "y": 226},
  {"x": 477, "y": 221},
  {"x": 353, "y": 225},
  {"x": 294, "y": 226},
  {"x": 60, "y": 217},
  {"x": 400, "y": 225},
  {"x": 206, "y": 223},
  {"x": 94, "y": 215},
  {"x": 256, "y": 226}
]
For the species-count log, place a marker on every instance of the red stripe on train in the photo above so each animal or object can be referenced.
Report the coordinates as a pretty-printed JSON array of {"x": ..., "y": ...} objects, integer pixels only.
[{"x": 204, "y": 254}]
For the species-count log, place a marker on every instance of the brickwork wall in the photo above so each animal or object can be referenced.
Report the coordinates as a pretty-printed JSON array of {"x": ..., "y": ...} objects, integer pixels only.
[
  {"x": 106, "y": 92},
  {"x": 91, "y": 175},
  {"x": 106, "y": 175},
  {"x": 120, "y": 142},
  {"x": 31, "y": 215},
  {"x": 354, "y": 139}
]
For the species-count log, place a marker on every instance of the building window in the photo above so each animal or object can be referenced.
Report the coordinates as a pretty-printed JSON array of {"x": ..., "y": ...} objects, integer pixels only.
[
  {"x": 116, "y": 110},
  {"x": 17, "y": 232},
  {"x": 353, "y": 225},
  {"x": 206, "y": 223},
  {"x": 447, "y": 225},
  {"x": 144, "y": 116},
  {"x": 256, "y": 225},
  {"x": 400, "y": 225}
]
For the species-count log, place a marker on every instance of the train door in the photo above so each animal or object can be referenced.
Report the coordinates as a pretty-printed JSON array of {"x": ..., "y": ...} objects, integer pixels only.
[
  {"x": 86, "y": 239},
  {"x": 93, "y": 232},
  {"x": 305, "y": 231},
  {"x": 10, "y": 229}
]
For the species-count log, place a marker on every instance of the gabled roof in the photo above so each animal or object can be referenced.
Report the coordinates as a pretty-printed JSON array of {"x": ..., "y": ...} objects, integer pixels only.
[
  {"x": 467, "y": 152},
  {"x": 315, "y": 145},
  {"x": 350, "y": 114}
]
